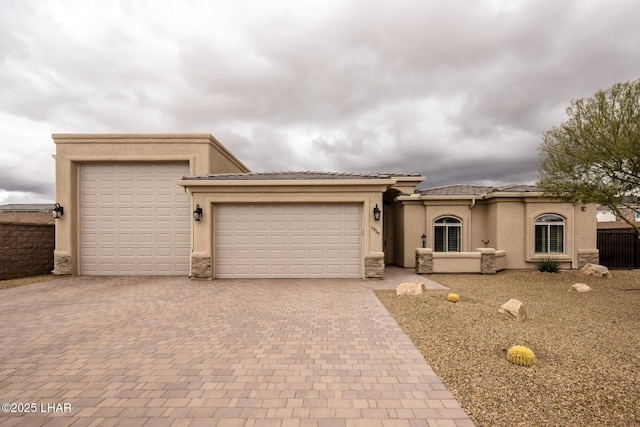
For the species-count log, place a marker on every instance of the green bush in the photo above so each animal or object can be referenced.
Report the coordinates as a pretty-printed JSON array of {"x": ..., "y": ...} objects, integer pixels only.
[{"x": 549, "y": 265}]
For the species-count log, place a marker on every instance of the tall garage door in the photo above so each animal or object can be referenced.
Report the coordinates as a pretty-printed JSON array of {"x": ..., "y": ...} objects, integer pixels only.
[
  {"x": 134, "y": 219},
  {"x": 288, "y": 240}
]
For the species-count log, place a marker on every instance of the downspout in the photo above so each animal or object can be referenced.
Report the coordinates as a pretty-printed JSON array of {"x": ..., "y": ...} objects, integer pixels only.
[
  {"x": 473, "y": 203},
  {"x": 574, "y": 255}
]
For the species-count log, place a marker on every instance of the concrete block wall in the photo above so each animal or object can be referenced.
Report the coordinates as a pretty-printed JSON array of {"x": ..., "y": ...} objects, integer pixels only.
[{"x": 26, "y": 249}]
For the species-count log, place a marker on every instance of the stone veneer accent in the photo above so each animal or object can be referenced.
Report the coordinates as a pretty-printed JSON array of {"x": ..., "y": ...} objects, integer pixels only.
[
  {"x": 201, "y": 267},
  {"x": 588, "y": 256},
  {"x": 374, "y": 265},
  {"x": 61, "y": 265},
  {"x": 424, "y": 260},
  {"x": 487, "y": 260}
]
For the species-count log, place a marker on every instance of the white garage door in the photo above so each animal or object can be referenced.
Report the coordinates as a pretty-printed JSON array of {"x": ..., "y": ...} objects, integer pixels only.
[
  {"x": 134, "y": 219},
  {"x": 288, "y": 240}
]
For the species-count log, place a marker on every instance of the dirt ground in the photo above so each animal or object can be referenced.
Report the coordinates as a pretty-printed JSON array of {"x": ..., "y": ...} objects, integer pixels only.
[{"x": 587, "y": 346}]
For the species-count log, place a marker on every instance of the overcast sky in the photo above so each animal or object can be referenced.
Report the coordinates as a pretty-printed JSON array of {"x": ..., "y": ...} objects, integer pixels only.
[{"x": 458, "y": 90}]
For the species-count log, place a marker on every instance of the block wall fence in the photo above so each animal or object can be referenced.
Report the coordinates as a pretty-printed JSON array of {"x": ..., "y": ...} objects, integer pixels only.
[{"x": 26, "y": 249}]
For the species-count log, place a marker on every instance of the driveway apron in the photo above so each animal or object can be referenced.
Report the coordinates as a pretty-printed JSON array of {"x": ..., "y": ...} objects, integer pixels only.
[{"x": 171, "y": 351}]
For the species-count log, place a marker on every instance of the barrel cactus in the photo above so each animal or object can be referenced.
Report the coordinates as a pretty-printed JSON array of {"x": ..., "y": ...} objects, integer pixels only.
[
  {"x": 521, "y": 355},
  {"x": 453, "y": 297}
]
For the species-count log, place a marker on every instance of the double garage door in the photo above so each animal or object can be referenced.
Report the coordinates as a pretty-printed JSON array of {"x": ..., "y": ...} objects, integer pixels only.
[
  {"x": 288, "y": 240},
  {"x": 133, "y": 219}
]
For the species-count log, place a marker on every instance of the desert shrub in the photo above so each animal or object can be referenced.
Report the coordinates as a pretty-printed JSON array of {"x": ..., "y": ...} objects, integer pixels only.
[{"x": 549, "y": 265}]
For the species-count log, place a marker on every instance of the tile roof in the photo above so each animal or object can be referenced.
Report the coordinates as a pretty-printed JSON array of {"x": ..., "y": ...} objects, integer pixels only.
[
  {"x": 470, "y": 190},
  {"x": 35, "y": 207},
  {"x": 283, "y": 176}
]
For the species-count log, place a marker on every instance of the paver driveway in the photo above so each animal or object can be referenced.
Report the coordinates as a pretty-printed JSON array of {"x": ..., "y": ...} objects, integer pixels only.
[{"x": 169, "y": 351}]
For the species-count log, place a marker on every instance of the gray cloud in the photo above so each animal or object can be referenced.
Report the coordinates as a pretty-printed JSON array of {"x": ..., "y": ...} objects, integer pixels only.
[{"x": 459, "y": 91}]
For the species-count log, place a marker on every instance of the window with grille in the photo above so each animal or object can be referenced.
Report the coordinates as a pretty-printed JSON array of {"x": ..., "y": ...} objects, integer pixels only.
[
  {"x": 549, "y": 234},
  {"x": 447, "y": 235}
]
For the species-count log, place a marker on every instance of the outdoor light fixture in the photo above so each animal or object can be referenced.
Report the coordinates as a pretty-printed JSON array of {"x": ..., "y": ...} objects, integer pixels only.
[
  {"x": 376, "y": 213},
  {"x": 57, "y": 211},
  {"x": 424, "y": 240},
  {"x": 197, "y": 213}
]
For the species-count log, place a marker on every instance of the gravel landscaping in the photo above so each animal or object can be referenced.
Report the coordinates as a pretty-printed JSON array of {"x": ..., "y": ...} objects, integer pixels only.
[
  {"x": 587, "y": 346},
  {"x": 12, "y": 283}
]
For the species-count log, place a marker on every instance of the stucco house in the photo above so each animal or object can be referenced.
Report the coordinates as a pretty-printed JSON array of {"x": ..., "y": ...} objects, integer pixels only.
[{"x": 182, "y": 204}]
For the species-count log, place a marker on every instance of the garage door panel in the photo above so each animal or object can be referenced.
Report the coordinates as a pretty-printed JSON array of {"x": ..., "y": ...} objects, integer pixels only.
[
  {"x": 106, "y": 198},
  {"x": 278, "y": 270},
  {"x": 315, "y": 254},
  {"x": 297, "y": 254},
  {"x": 334, "y": 253},
  {"x": 352, "y": 226},
  {"x": 288, "y": 240},
  {"x": 279, "y": 254},
  {"x": 315, "y": 239},
  {"x": 351, "y": 239},
  {"x": 137, "y": 215},
  {"x": 316, "y": 225},
  {"x": 293, "y": 240},
  {"x": 279, "y": 225}
]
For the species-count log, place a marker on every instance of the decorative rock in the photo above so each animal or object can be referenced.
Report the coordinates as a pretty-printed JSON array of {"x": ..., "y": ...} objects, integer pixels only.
[
  {"x": 453, "y": 297},
  {"x": 410, "y": 288},
  {"x": 580, "y": 287},
  {"x": 596, "y": 270},
  {"x": 514, "y": 308}
]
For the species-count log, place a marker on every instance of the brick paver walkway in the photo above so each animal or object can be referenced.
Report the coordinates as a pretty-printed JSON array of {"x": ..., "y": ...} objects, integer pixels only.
[{"x": 163, "y": 351}]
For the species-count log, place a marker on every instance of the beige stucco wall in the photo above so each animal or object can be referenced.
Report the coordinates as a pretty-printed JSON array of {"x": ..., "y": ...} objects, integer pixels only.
[
  {"x": 203, "y": 152},
  {"x": 506, "y": 221},
  {"x": 409, "y": 227},
  {"x": 208, "y": 194},
  {"x": 456, "y": 262}
]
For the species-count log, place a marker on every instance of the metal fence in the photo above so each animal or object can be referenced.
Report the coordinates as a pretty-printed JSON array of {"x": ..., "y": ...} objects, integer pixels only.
[{"x": 619, "y": 248}]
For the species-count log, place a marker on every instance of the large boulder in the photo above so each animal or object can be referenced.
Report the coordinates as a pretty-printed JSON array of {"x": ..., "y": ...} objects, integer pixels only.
[
  {"x": 596, "y": 270},
  {"x": 410, "y": 288},
  {"x": 515, "y": 308}
]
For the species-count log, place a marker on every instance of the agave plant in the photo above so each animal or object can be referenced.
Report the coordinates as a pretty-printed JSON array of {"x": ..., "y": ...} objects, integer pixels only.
[{"x": 549, "y": 265}]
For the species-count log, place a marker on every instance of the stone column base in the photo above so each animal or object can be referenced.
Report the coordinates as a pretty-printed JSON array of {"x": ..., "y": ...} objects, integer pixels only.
[
  {"x": 374, "y": 265},
  {"x": 588, "y": 256},
  {"x": 201, "y": 267},
  {"x": 487, "y": 260},
  {"x": 424, "y": 260},
  {"x": 61, "y": 265}
]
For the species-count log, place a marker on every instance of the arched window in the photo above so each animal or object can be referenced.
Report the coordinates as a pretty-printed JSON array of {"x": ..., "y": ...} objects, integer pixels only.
[
  {"x": 447, "y": 234},
  {"x": 549, "y": 234}
]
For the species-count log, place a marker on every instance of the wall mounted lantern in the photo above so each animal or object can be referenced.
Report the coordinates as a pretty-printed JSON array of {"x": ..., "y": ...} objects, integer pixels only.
[
  {"x": 424, "y": 240},
  {"x": 376, "y": 213},
  {"x": 57, "y": 211},
  {"x": 197, "y": 213}
]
